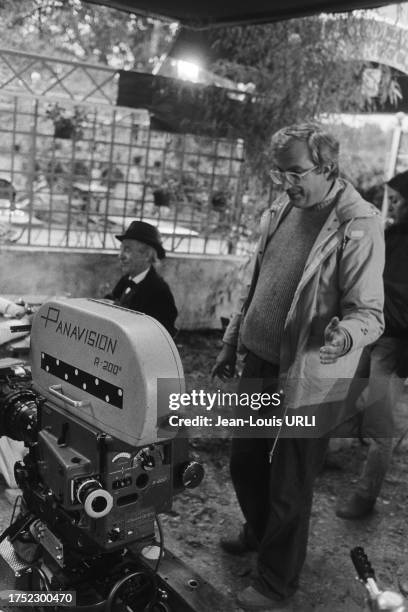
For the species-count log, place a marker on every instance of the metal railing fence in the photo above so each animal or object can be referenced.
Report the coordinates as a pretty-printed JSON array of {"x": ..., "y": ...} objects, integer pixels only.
[{"x": 80, "y": 169}]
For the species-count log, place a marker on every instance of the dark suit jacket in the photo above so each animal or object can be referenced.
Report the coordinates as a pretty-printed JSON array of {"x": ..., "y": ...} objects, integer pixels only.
[
  {"x": 152, "y": 296},
  {"x": 396, "y": 292}
]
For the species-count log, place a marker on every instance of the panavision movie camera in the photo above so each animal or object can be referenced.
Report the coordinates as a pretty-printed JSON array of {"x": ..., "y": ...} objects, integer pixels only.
[{"x": 99, "y": 467}]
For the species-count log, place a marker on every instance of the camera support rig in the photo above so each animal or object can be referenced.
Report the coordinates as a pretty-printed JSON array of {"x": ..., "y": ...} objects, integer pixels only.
[
  {"x": 101, "y": 463},
  {"x": 377, "y": 600}
]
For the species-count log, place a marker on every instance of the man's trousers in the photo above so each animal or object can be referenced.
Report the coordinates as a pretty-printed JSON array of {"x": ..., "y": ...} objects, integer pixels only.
[
  {"x": 375, "y": 420},
  {"x": 276, "y": 497}
]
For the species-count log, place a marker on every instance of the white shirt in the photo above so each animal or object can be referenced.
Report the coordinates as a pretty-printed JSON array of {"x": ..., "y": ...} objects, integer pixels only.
[{"x": 139, "y": 277}]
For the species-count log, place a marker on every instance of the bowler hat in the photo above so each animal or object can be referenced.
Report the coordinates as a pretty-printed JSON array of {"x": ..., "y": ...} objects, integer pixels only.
[{"x": 146, "y": 233}]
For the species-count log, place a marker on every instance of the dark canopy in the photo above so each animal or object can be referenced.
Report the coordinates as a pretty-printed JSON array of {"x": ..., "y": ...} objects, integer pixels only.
[{"x": 216, "y": 12}]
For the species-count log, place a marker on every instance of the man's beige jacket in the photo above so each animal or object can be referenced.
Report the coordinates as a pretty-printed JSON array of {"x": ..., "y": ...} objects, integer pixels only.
[{"x": 342, "y": 277}]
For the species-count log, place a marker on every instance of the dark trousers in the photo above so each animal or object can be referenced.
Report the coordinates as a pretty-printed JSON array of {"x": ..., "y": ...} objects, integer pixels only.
[
  {"x": 276, "y": 497},
  {"x": 375, "y": 419}
]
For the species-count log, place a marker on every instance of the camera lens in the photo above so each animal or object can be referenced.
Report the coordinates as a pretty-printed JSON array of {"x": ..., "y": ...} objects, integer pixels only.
[{"x": 19, "y": 416}]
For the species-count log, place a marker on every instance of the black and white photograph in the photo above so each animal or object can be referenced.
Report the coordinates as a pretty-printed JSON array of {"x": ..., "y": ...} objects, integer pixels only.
[{"x": 204, "y": 306}]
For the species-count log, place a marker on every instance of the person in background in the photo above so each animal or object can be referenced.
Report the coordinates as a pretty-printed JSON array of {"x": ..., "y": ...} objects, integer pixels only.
[
  {"x": 315, "y": 300},
  {"x": 141, "y": 288},
  {"x": 385, "y": 363}
]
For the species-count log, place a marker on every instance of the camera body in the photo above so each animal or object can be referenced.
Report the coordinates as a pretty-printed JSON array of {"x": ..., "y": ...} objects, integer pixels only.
[{"x": 100, "y": 463}]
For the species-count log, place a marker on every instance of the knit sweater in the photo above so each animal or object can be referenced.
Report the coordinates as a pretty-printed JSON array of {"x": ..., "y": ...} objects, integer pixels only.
[{"x": 282, "y": 267}]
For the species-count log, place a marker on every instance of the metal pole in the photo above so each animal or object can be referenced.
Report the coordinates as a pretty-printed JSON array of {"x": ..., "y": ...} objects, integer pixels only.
[{"x": 395, "y": 147}]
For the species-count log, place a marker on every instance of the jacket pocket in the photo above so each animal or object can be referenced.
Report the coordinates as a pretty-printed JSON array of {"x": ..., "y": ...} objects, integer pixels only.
[{"x": 319, "y": 383}]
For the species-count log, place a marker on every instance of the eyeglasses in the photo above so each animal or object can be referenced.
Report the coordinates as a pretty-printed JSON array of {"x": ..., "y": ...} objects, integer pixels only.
[{"x": 293, "y": 178}]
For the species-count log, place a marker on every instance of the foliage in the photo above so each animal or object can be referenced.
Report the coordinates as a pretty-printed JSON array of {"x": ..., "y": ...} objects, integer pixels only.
[
  {"x": 364, "y": 154},
  {"x": 296, "y": 70},
  {"x": 288, "y": 71},
  {"x": 84, "y": 32},
  {"x": 66, "y": 123}
]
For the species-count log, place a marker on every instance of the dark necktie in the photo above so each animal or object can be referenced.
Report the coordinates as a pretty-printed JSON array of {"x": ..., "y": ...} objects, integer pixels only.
[{"x": 127, "y": 295}]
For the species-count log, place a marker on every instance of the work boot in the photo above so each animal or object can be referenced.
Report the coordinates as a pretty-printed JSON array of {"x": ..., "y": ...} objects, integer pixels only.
[
  {"x": 238, "y": 545},
  {"x": 252, "y": 599},
  {"x": 355, "y": 507}
]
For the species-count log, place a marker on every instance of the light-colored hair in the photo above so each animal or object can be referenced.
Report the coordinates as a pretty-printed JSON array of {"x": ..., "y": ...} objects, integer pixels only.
[
  {"x": 323, "y": 146},
  {"x": 151, "y": 252}
]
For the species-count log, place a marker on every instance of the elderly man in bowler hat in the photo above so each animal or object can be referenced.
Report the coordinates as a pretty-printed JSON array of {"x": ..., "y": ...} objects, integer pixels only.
[{"x": 141, "y": 288}]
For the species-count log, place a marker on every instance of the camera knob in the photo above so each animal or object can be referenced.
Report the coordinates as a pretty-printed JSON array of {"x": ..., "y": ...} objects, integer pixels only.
[
  {"x": 96, "y": 501},
  {"x": 145, "y": 459},
  {"x": 115, "y": 534},
  {"x": 192, "y": 474}
]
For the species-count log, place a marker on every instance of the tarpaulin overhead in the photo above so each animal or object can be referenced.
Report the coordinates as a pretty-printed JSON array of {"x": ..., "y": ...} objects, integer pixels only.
[{"x": 215, "y": 12}]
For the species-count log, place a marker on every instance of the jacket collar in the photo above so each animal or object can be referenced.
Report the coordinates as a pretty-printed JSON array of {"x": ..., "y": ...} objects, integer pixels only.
[
  {"x": 139, "y": 277},
  {"x": 350, "y": 205},
  {"x": 151, "y": 274}
]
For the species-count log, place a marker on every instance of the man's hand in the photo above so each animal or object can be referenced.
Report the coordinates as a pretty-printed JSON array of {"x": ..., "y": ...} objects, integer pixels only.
[
  {"x": 334, "y": 342},
  {"x": 15, "y": 311},
  {"x": 225, "y": 363}
]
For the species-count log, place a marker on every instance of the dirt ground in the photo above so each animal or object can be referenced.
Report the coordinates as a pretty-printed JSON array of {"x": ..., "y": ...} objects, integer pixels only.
[{"x": 202, "y": 515}]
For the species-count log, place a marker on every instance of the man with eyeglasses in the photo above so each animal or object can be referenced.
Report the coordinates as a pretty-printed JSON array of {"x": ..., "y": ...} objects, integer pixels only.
[{"x": 314, "y": 302}]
